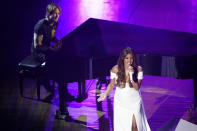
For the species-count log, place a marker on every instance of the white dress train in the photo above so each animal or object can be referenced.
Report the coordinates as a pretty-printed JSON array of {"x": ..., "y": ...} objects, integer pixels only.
[{"x": 128, "y": 102}]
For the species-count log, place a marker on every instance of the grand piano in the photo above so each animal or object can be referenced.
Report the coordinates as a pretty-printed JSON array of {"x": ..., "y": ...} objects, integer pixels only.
[{"x": 92, "y": 49}]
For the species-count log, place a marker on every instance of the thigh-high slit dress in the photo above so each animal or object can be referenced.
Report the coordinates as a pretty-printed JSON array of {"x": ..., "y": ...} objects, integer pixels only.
[{"x": 128, "y": 103}]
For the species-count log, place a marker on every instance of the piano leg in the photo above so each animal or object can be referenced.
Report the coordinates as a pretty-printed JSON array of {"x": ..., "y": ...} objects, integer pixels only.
[
  {"x": 101, "y": 80},
  {"x": 38, "y": 87},
  {"x": 79, "y": 89},
  {"x": 21, "y": 84},
  {"x": 82, "y": 95},
  {"x": 195, "y": 92}
]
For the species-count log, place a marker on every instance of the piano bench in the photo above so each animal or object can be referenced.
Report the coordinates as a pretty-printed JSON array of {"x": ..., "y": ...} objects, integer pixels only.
[{"x": 30, "y": 68}]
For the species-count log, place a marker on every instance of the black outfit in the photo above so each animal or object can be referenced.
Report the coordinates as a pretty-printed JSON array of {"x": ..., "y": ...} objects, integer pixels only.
[
  {"x": 43, "y": 28},
  {"x": 48, "y": 32}
]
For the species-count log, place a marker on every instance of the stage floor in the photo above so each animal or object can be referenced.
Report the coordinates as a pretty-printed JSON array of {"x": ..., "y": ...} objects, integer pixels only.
[{"x": 166, "y": 101}]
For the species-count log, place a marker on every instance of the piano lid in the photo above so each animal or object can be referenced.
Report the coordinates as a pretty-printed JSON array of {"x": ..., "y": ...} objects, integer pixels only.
[{"x": 96, "y": 38}]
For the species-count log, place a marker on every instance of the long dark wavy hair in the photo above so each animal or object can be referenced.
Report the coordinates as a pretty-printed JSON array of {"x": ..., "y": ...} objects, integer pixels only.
[{"x": 121, "y": 70}]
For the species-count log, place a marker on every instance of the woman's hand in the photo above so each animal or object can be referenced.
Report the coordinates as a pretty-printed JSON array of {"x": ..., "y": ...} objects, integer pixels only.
[
  {"x": 131, "y": 70},
  {"x": 101, "y": 97}
]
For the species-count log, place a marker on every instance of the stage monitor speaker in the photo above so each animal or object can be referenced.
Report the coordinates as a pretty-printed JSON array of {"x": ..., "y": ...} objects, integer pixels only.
[{"x": 184, "y": 125}]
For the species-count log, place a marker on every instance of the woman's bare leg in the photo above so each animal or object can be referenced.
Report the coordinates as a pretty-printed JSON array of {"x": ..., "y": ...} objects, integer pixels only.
[{"x": 134, "y": 124}]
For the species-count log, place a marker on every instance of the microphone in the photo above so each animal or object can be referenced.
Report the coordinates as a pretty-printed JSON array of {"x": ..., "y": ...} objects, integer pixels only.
[{"x": 133, "y": 75}]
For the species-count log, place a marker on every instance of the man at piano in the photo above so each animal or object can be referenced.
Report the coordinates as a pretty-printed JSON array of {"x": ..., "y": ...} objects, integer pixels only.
[{"x": 44, "y": 48}]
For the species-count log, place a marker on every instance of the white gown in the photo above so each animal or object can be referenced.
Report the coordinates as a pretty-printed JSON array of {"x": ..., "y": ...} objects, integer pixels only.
[{"x": 128, "y": 102}]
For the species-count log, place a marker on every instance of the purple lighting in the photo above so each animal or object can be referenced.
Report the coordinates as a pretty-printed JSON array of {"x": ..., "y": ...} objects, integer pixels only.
[
  {"x": 159, "y": 93},
  {"x": 164, "y": 14}
]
